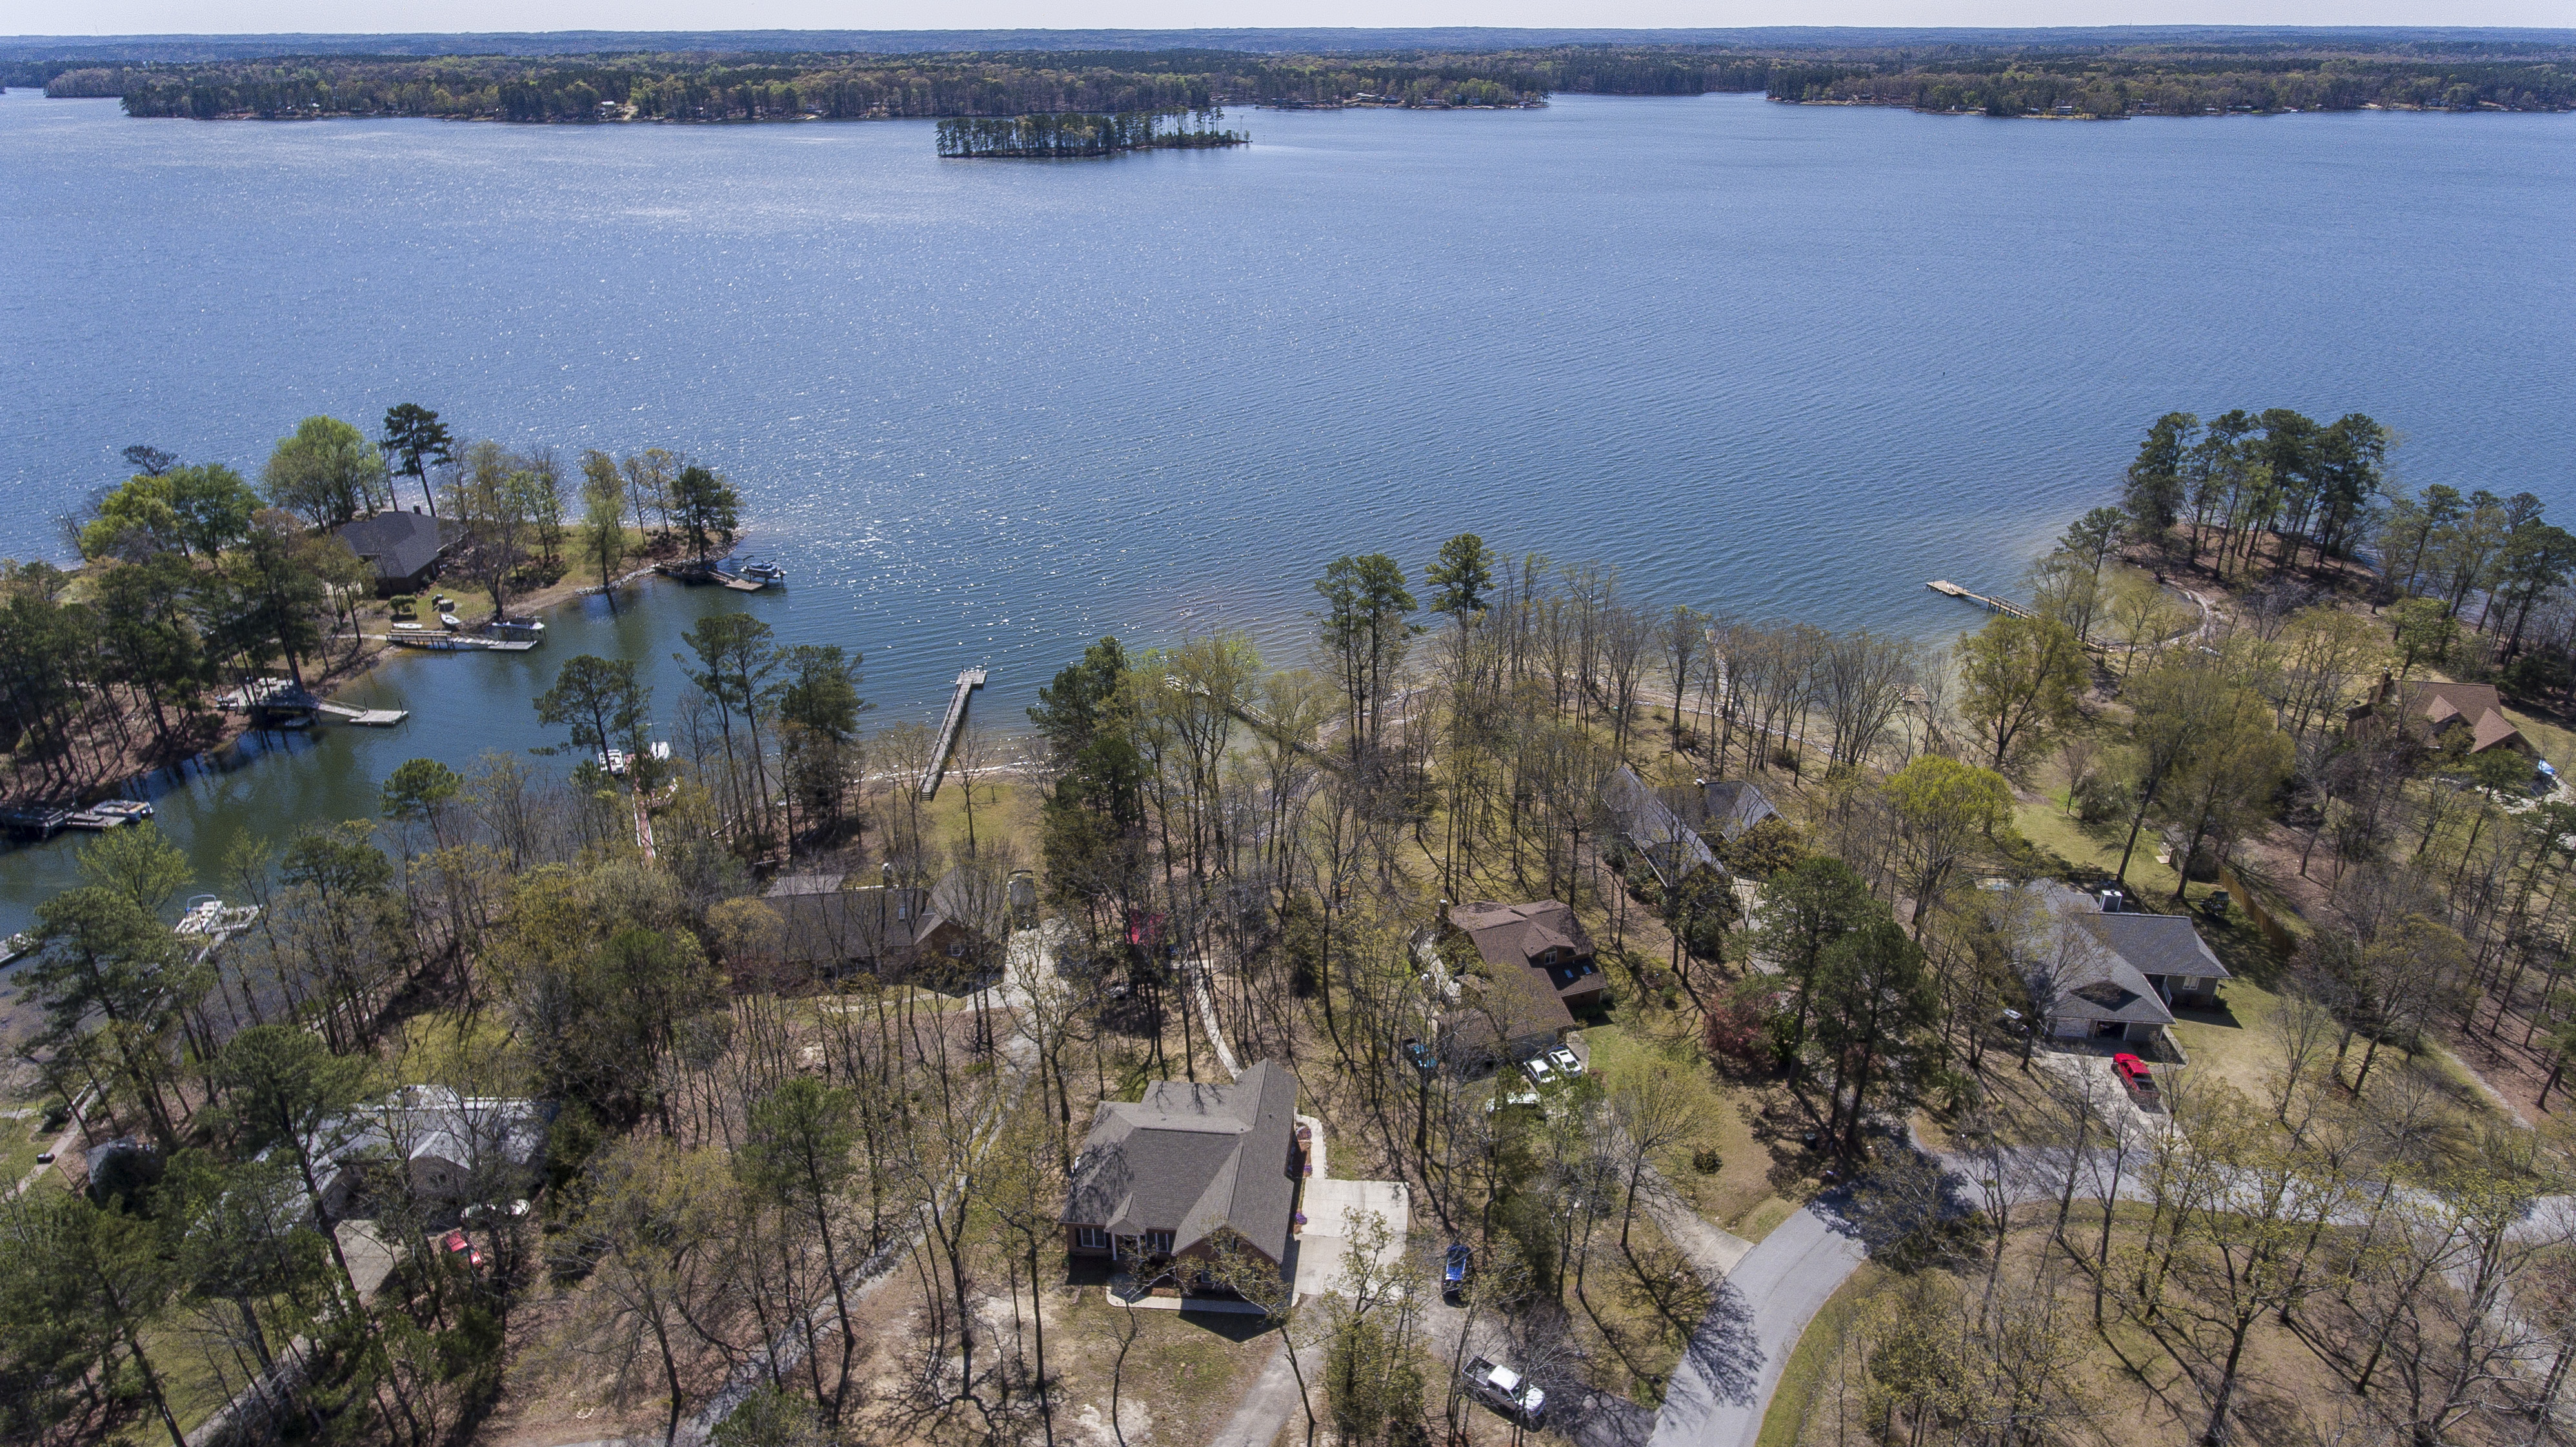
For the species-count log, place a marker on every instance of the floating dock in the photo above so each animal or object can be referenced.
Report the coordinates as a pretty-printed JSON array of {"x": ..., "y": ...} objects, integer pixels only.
[
  {"x": 369, "y": 718},
  {"x": 455, "y": 643},
  {"x": 2000, "y": 605},
  {"x": 968, "y": 680},
  {"x": 277, "y": 695}
]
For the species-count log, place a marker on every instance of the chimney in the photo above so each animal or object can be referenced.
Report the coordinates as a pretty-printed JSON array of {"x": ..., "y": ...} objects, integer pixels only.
[{"x": 415, "y": 507}]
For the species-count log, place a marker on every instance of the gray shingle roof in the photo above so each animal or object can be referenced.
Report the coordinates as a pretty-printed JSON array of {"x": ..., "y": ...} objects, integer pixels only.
[
  {"x": 1189, "y": 1158},
  {"x": 400, "y": 544},
  {"x": 2112, "y": 982},
  {"x": 1735, "y": 805}
]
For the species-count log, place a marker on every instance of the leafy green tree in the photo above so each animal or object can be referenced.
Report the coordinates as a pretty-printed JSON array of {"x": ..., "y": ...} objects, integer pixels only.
[
  {"x": 799, "y": 1157},
  {"x": 2019, "y": 677},
  {"x": 417, "y": 441},
  {"x": 109, "y": 1282},
  {"x": 276, "y": 594},
  {"x": 706, "y": 505},
  {"x": 2094, "y": 537},
  {"x": 2155, "y": 491},
  {"x": 1805, "y": 909},
  {"x": 148, "y": 637},
  {"x": 237, "y": 1234},
  {"x": 421, "y": 790},
  {"x": 284, "y": 1090},
  {"x": 138, "y": 862},
  {"x": 603, "y": 511},
  {"x": 1944, "y": 808},
  {"x": 1461, "y": 577},
  {"x": 2424, "y": 629},
  {"x": 1363, "y": 628},
  {"x": 212, "y": 505},
  {"x": 1874, "y": 1000},
  {"x": 599, "y": 702},
  {"x": 98, "y": 952},
  {"x": 820, "y": 690},
  {"x": 327, "y": 472}
]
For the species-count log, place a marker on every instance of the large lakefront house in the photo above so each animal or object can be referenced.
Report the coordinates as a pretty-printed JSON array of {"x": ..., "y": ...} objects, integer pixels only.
[
  {"x": 1158, "y": 1178},
  {"x": 826, "y": 931},
  {"x": 2435, "y": 709},
  {"x": 404, "y": 548}
]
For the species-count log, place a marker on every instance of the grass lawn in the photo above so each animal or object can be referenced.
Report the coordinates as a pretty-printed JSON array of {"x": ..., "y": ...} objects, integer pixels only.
[
  {"x": 1742, "y": 1195},
  {"x": 2234, "y": 1044},
  {"x": 1636, "y": 1309},
  {"x": 2126, "y": 1382},
  {"x": 1786, "y": 1420},
  {"x": 1184, "y": 1371}
]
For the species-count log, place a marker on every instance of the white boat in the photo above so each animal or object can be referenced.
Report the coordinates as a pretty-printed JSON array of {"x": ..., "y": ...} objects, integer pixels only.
[{"x": 764, "y": 572}]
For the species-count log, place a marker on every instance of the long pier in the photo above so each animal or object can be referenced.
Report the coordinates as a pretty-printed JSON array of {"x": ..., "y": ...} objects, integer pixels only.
[
  {"x": 2000, "y": 605},
  {"x": 968, "y": 680}
]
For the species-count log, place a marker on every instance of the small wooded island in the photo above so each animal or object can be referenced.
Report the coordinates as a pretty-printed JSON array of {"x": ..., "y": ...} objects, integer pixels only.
[{"x": 1066, "y": 134}]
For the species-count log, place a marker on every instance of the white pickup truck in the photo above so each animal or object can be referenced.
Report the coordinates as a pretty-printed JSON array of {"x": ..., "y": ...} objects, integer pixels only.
[{"x": 1506, "y": 1390}]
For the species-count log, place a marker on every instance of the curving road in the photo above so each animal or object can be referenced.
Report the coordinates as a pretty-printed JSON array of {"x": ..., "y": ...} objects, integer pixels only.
[{"x": 1722, "y": 1387}]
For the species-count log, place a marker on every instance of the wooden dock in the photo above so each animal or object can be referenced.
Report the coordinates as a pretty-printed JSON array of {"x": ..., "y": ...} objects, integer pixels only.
[
  {"x": 457, "y": 643},
  {"x": 968, "y": 680},
  {"x": 371, "y": 718},
  {"x": 2000, "y": 605}
]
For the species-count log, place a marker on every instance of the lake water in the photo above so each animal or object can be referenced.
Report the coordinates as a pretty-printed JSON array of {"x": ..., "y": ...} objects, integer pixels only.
[{"x": 1772, "y": 360}]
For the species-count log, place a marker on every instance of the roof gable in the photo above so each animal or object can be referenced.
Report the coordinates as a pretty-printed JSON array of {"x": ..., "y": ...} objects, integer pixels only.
[{"x": 1191, "y": 1157}]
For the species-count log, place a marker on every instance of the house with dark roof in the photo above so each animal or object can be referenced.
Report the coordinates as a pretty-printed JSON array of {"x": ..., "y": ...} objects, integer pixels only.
[
  {"x": 2115, "y": 975},
  {"x": 1648, "y": 822},
  {"x": 1160, "y": 1177},
  {"x": 826, "y": 931},
  {"x": 405, "y": 548},
  {"x": 1542, "y": 937},
  {"x": 2434, "y": 710},
  {"x": 452, "y": 1149},
  {"x": 1726, "y": 807}
]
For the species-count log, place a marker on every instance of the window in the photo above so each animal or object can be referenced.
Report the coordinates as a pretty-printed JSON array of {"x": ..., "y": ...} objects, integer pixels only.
[
  {"x": 1090, "y": 1238},
  {"x": 956, "y": 949},
  {"x": 1159, "y": 1241}
]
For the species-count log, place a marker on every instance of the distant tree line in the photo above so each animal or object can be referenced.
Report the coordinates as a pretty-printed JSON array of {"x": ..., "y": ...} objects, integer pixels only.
[
  {"x": 1077, "y": 134},
  {"x": 854, "y": 87},
  {"x": 2002, "y": 78},
  {"x": 2155, "y": 81}
]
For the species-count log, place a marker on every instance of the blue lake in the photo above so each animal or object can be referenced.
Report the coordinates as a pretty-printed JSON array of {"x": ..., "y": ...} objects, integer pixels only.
[{"x": 1770, "y": 360}]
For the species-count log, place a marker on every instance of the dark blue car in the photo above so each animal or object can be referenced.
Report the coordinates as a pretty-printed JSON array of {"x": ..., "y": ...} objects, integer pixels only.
[{"x": 1453, "y": 1269}]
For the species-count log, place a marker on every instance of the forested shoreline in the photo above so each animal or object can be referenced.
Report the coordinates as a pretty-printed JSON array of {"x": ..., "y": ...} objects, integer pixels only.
[{"x": 2000, "y": 79}]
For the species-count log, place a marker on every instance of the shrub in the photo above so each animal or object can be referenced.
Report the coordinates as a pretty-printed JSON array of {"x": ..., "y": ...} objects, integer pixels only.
[{"x": 1707, "y": 1162}]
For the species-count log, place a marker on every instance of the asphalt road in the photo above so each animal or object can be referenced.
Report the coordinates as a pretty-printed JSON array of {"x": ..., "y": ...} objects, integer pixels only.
[{"x": 1727, "y": 1374}]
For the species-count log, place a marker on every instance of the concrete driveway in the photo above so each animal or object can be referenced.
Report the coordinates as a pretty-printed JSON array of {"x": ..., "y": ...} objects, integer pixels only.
[{"x": 1320, "y": 1249}]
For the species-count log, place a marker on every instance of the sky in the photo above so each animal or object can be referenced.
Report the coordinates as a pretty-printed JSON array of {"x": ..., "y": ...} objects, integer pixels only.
[{"x": 200, "y": 17}]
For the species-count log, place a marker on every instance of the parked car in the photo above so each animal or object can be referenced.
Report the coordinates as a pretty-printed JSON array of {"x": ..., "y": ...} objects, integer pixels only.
[
  {"x": 457, "y": 1244},
  {"x": 1539, "y": 1071},
  {"x": 1507, "y": 1391},
  {"x": 1453, "y": 1270},
  {"x": 1419, "y": 1054},
  {"x": 1566, "y": 1062},
  {"x": 2135, "y": 1074}
]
